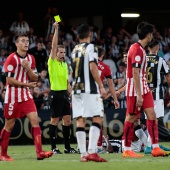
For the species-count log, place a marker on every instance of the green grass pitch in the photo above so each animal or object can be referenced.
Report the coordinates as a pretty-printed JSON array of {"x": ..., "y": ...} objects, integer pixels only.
[{"x": 25, "y": 159}]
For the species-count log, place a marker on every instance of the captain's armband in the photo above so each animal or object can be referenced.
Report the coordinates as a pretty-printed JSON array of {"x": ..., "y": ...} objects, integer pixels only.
[
  {"x": 136, "y": 65},
  {"x": 9, "y": 74}
]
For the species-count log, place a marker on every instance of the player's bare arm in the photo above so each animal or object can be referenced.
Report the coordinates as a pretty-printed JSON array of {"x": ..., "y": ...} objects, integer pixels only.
[
  {"x": 136, "y": 77},
  {"x": 13, "y": 82},
  {"x": 121, "y": 90},
  {"x": 112, "y": 90},
  {"x": 95, "y": 73}
]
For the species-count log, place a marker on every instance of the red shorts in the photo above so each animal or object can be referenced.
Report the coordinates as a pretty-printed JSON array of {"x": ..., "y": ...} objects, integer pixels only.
[
  {"x": 18, "y": 110},
  {"x": 148, "y": 102},
  {"x": 138, "y": 114}
]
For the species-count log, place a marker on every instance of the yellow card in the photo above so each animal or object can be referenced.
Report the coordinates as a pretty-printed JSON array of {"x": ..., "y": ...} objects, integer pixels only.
[{"x": 57, "y": 18}]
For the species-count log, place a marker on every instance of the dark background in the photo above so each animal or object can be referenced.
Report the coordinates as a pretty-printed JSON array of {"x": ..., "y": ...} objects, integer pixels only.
[{"x": 35, "y": 10}]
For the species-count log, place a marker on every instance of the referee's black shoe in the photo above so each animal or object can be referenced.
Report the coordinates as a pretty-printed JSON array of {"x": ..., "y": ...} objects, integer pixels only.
[
  {"x": 56, "y": 151},
  {"x": 71, "y": 150}
]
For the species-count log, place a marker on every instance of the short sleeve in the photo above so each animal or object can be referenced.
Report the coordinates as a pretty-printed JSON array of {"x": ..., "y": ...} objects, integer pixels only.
[
  {"x": 136, "y": 55},
  {"x": 10, "y": 65},
  {"x": 93, "y": 55}
]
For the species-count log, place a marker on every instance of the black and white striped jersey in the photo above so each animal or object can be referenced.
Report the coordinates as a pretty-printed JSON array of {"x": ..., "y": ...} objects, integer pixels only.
[
  {"x": 156, "y": 70},
  {"x": 83, "y": 81}
]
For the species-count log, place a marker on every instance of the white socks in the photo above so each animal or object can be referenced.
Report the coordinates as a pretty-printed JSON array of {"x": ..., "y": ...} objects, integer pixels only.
[
  {"x": 81, "y": 140},
  {"x": 94, "y": 134}
]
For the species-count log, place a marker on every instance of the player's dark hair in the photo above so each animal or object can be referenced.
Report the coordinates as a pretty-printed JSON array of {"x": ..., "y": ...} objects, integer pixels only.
[
  {"x": 20, "y": 35},
  {"x": 83, "y": 31},
  {"x": 125, "y": 52},
  {"x": 153, "y": 43},
  {"x": 122, "y": 64},
  {"x": 143, "y": 29},
  {"x": 101, "y": 51}
]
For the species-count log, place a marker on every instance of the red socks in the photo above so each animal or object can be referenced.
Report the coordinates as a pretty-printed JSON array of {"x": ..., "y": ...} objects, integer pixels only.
[
  {"x": 4, "y": 141},
  {"x": 128, "y": 133},
  {"x": 36, "y": 134},
  {"x": 153, "y": 130}
]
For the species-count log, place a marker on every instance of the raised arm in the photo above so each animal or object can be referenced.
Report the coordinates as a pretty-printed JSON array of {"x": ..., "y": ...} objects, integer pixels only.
[{"x": 54, "y": 41}]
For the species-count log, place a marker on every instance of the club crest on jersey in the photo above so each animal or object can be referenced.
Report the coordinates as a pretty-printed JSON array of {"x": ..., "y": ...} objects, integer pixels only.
[
  {"x": 137, "y": 58},
  {"x": 10, "y": 67}
]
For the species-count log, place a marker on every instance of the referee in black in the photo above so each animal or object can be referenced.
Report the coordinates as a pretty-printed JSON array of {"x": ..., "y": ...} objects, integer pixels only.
[{"x": 59, "y": 95}]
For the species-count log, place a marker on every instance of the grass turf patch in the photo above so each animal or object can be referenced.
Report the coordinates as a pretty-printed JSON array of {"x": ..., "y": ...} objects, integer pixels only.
[{"x": 25, "y": 158}]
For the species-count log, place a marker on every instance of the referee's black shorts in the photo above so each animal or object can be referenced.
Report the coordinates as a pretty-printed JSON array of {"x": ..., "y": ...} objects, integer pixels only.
[{"x": 59, "y": 103}]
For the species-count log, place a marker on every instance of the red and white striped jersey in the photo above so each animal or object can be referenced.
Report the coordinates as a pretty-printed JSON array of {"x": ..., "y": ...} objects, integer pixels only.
[
  {"x": 136, "y": 58},
  {"x": 13, "y": 68}
]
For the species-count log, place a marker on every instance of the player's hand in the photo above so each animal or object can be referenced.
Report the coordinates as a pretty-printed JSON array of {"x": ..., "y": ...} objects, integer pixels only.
[
  {"x": 32, "y": 84},
  {"x": 25, "y": 64},
  {"x": 139, "y": 102},
  {"x": 103, "y": 92},
  {"x": 117, "y": 92},
  {"x": 116, "y": 103}
]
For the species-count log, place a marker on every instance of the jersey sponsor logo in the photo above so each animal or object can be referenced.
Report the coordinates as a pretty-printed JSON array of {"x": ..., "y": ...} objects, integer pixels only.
[
  {"x": 137, "y": 58},
  {"x": 152, "y": 60},
  {"x": 10, "y": 67}
]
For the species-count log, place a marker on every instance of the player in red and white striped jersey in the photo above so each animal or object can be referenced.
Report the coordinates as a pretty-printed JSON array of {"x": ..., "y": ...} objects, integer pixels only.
[
  {"x": 13, "y": 68},
  {"x": 20, "y": 71},
  {"x": 138, "y": 95},
  {"x": 136, "y": 59}
]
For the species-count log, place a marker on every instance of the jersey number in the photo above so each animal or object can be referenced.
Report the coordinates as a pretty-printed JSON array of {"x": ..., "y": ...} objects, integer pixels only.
[
  {"x": 149, "y": 75},
  {"x": 77, "y": 64},
  {"x": 11, "y": 107}
]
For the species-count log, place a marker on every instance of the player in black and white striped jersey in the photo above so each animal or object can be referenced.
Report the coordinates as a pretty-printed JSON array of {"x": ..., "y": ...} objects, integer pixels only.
[
  {"x": 83, "y": 82},
  {"x": 87, "y": 94},
  {"x": 157, "y": 71}
]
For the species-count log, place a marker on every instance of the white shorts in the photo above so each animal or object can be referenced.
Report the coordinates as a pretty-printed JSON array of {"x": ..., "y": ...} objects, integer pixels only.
[
  {"x": 87, "y": 105},
  {"x": 159, "y": 108}
]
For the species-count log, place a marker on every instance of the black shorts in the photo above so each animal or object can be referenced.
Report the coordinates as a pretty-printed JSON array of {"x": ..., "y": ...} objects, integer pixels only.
[{"x": 59, "y": 103}]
